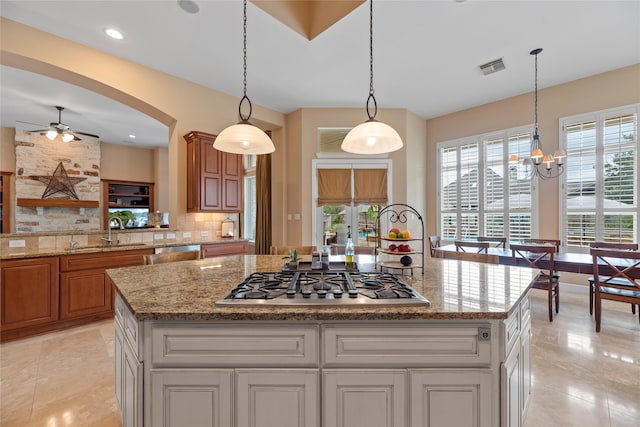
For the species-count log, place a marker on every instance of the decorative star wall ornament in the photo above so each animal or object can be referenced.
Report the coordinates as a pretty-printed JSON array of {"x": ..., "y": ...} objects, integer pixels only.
[{"x": 59, "y": 182}]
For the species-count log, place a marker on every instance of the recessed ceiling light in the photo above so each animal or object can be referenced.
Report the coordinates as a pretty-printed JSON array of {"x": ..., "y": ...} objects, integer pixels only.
[
  {"x": 189, "y": 6},
  {"x": 113, "y": 33},
  {"x": 132, "y": 136}
]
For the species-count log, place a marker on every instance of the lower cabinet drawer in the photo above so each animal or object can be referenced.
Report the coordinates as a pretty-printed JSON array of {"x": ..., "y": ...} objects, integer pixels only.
[
  {"x": 226, "y": 345},
  {"x": 406, "y": 346}
]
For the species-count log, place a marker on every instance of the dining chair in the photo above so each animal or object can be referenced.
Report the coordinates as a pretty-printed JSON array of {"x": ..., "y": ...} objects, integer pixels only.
[
  {"x": 610, "y": 245},
  {"x": 477, "y": 247},
  {"x": 620, "y": 265},
  {"x": 500, "y": 242},
  {"x": 540, "y": 257},
  {"x": 171, "y": 257},
  {"x": 284, "y": 250},
  {"x": 434, "y": 242}
]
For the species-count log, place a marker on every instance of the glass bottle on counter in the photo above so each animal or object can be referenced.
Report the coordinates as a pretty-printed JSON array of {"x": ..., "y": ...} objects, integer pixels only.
[{"x": 349, "y": 250}]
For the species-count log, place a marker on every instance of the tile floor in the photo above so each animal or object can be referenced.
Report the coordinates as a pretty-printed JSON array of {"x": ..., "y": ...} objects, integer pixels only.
[{"x": 580, "y": 378}]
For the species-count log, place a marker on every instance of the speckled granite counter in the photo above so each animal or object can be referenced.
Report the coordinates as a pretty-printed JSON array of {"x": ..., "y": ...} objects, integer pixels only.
[
  {"x": 189, "y": 290},
  {"x": 34, "y": 251}
]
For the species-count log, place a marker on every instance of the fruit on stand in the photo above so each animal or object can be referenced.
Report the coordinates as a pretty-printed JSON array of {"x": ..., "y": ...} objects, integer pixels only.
[{"x": 393, "y": 247}]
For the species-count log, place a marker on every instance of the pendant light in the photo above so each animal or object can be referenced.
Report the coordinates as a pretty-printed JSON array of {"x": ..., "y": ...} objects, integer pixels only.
[
  {"x": 243, "y": 137},
  {"x": 372, "y": 136},
  {"x": 538, "y": 158}
]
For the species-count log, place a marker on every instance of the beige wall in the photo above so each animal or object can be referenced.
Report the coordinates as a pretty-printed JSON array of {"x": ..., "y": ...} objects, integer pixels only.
[
  {"x": 181, "y": 105},
  {"x": 612, "y": 89},
  {"x": 302, "y": 140}
]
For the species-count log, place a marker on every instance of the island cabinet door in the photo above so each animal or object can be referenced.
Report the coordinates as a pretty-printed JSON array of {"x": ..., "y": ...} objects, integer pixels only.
[
  {"x": 451, "y": 398},
  {"x": 191, "y": 397},
  {"x": 131, "y": 388},
  {"x": 277, "y": 397},
  {"x": 364, "y": 398},
  {"x": 511, "y": 389}
]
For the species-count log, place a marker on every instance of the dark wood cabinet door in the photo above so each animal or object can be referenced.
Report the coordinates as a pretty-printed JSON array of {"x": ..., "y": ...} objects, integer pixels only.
[
  {"x": 214, "y": 178},
  {"x": 29, "y": 292},
  {"x": 232, "y": 180},
  {"x": 222, "y": 249},
  {"x": 83, "y": 293}
]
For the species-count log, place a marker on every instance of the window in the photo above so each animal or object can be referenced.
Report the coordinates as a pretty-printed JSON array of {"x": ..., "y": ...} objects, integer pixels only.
[
  {"x": 249, "y": 228},
  {"x": 601, "y": 183},
  {"x": 479, "y": 193},
  {"x": 336, "y": 209}
]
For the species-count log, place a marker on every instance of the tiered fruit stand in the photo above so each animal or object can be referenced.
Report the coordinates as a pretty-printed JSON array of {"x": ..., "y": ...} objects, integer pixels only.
[{"x": 399, "y": 216}]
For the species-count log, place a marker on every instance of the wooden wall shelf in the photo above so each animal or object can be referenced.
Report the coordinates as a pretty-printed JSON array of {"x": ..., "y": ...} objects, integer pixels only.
[{"x": 59, "y": 203}]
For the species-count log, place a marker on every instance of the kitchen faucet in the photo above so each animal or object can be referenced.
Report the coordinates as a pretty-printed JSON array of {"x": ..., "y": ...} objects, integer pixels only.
[{"x": 108, "y": 238}]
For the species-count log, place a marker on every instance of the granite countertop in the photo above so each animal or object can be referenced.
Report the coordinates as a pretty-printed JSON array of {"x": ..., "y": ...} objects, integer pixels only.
[
  {"x": 35, "y": 252},
  {"x": 188, "y": 290}
]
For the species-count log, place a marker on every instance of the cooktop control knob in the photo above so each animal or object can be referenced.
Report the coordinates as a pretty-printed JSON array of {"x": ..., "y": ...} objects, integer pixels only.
[
  {"x": 306, "y": 294},
  {"x": 337, "y": 293},
  {"x": 322, "y": 293}
]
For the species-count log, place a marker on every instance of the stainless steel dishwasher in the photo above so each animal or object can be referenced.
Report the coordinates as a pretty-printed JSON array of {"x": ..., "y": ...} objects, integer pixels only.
[{"x": 180, "y": 248}]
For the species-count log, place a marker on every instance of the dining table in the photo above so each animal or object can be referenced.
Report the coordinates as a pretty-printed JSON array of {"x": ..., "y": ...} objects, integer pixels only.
[{"x": 565, "y": 260}]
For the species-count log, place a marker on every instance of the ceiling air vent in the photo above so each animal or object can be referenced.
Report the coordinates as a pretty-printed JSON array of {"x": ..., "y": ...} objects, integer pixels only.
[{"x": 492, "y": 67}]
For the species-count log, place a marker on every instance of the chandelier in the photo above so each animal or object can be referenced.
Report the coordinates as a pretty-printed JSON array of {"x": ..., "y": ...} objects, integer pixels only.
[
  {"x": 544, "y": 166},
  {"x": 243, "y": 137},
  {"x": 372, "y": 136}
]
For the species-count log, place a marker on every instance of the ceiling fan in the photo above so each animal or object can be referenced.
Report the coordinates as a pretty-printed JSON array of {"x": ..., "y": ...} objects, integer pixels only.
[{"x": 60, "y": 128}]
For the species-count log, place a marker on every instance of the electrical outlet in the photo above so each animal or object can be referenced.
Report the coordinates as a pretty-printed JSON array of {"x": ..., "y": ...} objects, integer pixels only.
[
  {"x": 17, "y": 243},
  {"x": 186, "y": 234},
  {"x": 158, "y": 236},
  {"x": 171, "y": 236}
]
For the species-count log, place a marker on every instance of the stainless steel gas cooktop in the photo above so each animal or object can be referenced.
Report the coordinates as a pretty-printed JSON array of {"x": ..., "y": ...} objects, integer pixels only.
[{"x": 317, "y": 288}]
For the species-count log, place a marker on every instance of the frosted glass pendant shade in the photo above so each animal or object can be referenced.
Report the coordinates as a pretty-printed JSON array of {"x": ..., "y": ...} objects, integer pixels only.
[
  {"x": 372, "y": 137},
  {"x": 244, "y": 138}
]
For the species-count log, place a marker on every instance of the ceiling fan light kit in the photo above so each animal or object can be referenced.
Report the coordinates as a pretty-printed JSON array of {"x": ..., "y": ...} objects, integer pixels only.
[
  {"x": 372, "y": 136},
  {"x": 243, "y": 137},
  {"x": 59, "y": 128}
]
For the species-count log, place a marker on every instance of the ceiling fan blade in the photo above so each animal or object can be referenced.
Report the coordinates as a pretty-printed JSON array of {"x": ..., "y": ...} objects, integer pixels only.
[
  {"x": 30, "y": 123},
  {"x": 90, "y": 135},
  {"x": 37, "y": 130}
]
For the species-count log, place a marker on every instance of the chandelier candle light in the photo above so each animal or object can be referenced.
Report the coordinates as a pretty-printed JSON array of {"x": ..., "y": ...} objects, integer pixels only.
[
  {"x": 532, "y": 165},
  {"x": 243, "y": 137},
  {"x": 372, "y": 136}
]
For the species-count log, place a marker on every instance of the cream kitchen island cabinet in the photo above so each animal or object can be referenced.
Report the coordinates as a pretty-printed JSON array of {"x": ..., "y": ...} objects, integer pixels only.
[{"x": 199, "y": 364}]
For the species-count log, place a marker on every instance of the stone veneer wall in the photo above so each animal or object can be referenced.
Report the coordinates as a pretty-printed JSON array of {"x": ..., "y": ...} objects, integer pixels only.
[{"x": 37, "y": 155}]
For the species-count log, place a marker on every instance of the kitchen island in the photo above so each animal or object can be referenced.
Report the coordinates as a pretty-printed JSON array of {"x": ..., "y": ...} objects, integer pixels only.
[{"x": 182, "y": 360}]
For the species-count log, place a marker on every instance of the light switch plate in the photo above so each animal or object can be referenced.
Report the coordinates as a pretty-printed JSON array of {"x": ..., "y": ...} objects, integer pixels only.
[
  {"x": 158, "y": 236},
  {"x": 186, "y": 234},
  {"x": 17, "y": 243},
  {"x": 171, "y": 236}
]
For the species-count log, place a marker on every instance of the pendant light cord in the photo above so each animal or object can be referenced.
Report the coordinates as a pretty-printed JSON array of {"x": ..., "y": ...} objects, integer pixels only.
[
  {"x": 244, "y": 67},
  {"x": 535, "y": 92},
  {"x": 371, "y": 95},
  {"x": 244, "y": 47}
]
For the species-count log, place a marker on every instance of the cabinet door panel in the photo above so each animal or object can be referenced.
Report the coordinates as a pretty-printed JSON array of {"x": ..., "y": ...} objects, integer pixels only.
[
  {"x": 277, "y": 398},
  {"x": 191, "y": 398},
  {"x": 131, "y": 389},
  {"x": 372, "y": 398},
  {"x": 29, "y": 292},
  {"x": 222, "y": 249},
  {"x": 232, "y": 194},
  {"x": 83, "y": 293},
  {"x": 451, "y": 398},
  {"x": 211, "y": 197}
]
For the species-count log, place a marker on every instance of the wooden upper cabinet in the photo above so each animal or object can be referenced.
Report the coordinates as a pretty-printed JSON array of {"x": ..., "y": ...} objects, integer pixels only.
[{"x": 214, "y": 178}]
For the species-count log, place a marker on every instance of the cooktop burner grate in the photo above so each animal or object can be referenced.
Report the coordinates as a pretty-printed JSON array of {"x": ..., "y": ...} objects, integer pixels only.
[{"x": 322, "y": 288}]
